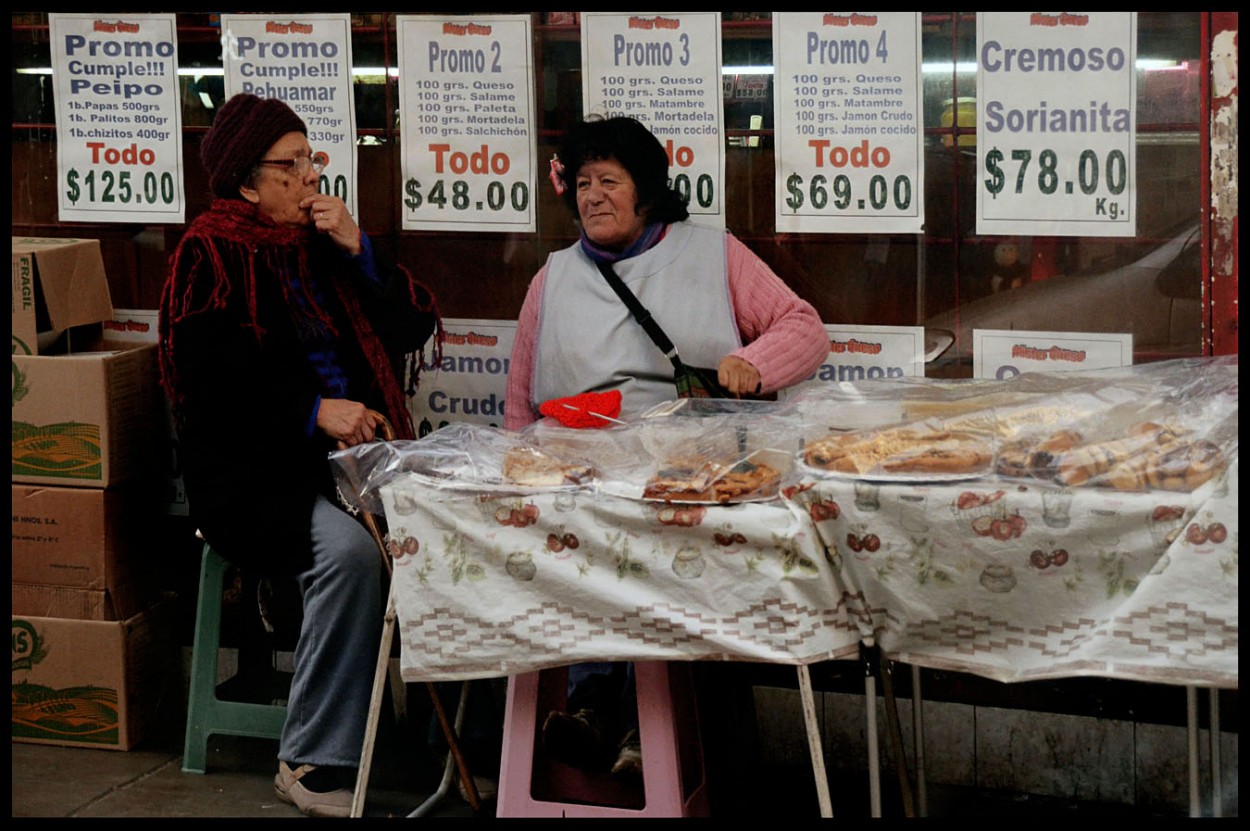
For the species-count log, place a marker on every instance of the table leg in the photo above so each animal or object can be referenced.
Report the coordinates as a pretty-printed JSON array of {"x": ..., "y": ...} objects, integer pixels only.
[
  {"x": 874, "y": 769},
  {"x": 1191, "y": 720},
  {"x": 813, "y": 741},
  {"x": 868, "y": 655},
  {"x": 449, "y": 767},
  {"x": 917, "y": 729},
  {"x": 375, "y": 704},
  {"x": 1217, "y": 795}
]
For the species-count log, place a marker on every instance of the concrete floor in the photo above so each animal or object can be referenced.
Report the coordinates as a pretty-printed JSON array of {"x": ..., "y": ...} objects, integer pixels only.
[
  {"x": 51, "y": 781},
  {"x": 744, "y": 779}
]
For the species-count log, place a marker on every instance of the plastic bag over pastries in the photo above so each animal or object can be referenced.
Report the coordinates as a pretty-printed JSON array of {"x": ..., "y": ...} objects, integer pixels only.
[
  {"x": 458, "y": 456},
  {"x": 1170, "y": 425}
]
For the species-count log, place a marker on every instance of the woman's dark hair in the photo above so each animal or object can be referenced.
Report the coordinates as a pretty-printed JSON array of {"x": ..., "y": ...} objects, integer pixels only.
[{"x": 637, "y": 149}]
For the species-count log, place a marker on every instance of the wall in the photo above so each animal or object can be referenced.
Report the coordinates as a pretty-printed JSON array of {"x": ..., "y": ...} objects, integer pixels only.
[{"x": 1070, "y": 757}]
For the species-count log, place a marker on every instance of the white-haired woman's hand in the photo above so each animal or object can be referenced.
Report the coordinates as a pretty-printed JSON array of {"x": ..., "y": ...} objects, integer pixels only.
[
  {"x": 331, "y": 217},
  {"x": 738, "y": 376}
]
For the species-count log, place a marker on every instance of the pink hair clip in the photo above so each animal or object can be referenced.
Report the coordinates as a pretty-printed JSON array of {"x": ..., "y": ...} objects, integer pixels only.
[{"x": 556, "y": 175}]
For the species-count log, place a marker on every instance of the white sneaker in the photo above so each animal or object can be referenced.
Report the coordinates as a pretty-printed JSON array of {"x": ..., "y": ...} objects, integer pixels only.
[{"x": 336, "y": 803}]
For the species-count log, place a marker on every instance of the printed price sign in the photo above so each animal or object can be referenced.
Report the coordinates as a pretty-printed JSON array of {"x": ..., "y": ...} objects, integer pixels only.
[
  {"x": 664, "y": 70},
  {"x": 304, "y": 60},
  {"x": 472, "y": 379},
  {"x": 849, "y": 130},
  {"x": 1056, "y": 123},
  {"x": 118, "y": 118},
  {"x": 467, "y": 123},
  {"x": 1000, "y": 354}
]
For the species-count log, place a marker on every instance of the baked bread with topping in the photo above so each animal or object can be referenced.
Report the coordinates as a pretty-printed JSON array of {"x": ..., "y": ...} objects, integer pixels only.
[
  {"x": 704, "y": 481},
  {"x": 535, "y": 469},
  {"x": 900, "y": 450},
  {"x": 1146, "y": 456}
]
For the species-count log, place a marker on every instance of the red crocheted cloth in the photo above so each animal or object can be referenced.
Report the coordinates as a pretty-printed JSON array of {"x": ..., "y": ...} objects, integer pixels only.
[{"x": 578, "y": 410}]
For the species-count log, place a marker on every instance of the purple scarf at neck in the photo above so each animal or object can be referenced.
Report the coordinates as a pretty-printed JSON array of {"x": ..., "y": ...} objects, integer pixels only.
[{"x": 653, "y": 233}]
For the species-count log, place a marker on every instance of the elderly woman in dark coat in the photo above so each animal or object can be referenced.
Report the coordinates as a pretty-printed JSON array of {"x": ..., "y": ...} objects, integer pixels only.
[{"x": 282, "y": 333}]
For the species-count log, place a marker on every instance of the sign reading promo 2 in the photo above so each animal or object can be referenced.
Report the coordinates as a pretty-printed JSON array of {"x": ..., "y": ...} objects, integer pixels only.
[{"x": 467, "y": 123}]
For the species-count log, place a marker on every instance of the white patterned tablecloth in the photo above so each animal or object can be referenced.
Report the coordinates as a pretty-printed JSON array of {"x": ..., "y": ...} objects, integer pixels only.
[
  {"x": 1037, "y": 582},
  {"x": 1081, "y": 582},
  {"x": 497, "y": 584}
]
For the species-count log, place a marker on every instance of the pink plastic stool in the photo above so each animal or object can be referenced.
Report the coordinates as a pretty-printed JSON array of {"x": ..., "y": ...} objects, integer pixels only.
[{"x": 673, "y": 780}]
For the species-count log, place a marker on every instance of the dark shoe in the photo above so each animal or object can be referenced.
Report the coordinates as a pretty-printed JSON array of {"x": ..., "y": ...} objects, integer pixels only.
[
  {"x": 629, "y": 757},
  {"x": 333, "y": 803},
  {"x": 577, "y": 739}
]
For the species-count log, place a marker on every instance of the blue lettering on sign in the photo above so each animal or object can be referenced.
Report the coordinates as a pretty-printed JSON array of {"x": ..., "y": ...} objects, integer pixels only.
[
  {"x": 440, "y": 402},
  {"x": 830, "y": 372},
  {"x": 471, "y": 365}
]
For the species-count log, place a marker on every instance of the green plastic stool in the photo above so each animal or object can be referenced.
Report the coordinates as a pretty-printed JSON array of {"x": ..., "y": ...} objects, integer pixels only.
[{"x": 206, "y": 713}]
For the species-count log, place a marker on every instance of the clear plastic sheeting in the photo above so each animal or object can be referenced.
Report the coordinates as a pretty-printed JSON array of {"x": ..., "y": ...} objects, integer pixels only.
[
  {"x": 1167, "y": 426},
  {"x": 705, "y": 450},
  {"x": 458, "y": 456},
  {"x": 1164, "y": 426},
  {"x": 1011, "y": 573}
]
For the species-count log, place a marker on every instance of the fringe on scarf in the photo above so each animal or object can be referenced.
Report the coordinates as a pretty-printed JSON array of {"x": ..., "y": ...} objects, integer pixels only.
[{"x": 233, "y": 237}]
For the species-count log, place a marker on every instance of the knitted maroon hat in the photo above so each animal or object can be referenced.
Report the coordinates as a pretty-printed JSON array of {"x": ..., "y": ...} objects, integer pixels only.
[{"x": 245, "y": 128}]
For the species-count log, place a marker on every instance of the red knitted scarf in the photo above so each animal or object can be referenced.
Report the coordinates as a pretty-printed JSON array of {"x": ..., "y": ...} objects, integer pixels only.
[{"x": 234, "y": 240}]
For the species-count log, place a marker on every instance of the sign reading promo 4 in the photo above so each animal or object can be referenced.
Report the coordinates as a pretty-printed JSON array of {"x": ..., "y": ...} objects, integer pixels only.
[
  {"x": 849, "y": 126},
  {"x": 304, "y": 60},
  {"x": 664, "y": 70},
  {"x": 1056, "y": 123},
  {"x": 118, "y": 118},
  {"x": 467, "y": 123}
]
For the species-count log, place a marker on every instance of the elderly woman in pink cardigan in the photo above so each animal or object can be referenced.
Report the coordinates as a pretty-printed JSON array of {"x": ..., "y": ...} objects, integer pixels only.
[{"x": 716, "y": 300}]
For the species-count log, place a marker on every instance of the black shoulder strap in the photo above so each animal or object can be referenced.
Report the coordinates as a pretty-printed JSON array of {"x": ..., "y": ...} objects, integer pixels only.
[{"x": 640, "y": 314}]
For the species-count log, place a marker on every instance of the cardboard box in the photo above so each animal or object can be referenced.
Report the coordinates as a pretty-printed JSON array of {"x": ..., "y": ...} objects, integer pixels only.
[
  {"x": 57, "y": 284},
  {"x": 86, "y": 417},
  {"x": 75, "y": 552},
  {"x": 88, "y": 683},
  {"x": 30, "y": 600}
]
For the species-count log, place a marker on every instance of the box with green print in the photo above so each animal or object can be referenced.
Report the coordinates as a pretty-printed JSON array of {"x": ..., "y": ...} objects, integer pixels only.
[
  {"x": 83, "y": 403},
  {"x": 85, "y": 418},
  {"x": 94, "y": 683}
]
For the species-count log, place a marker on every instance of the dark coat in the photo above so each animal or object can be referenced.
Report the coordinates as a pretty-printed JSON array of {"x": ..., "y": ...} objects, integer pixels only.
[{"x": 251, "y": 469}]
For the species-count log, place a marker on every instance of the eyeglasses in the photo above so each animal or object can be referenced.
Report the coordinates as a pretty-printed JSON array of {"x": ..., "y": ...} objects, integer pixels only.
[{"x": 300, "y": 165}]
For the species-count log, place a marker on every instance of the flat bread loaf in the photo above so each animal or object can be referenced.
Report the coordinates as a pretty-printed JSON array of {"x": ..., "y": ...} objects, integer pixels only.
[{"x": 900, "y": 451}]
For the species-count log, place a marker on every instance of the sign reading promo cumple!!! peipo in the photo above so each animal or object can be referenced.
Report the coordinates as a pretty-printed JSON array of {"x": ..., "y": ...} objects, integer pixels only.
[{"x": 118, "y": 118}]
